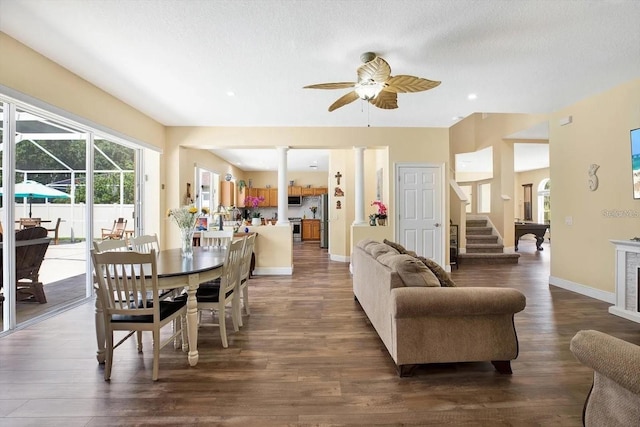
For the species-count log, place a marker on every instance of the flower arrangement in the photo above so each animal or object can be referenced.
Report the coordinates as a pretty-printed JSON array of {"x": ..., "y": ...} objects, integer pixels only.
[
  {"x": 253, "y": 202},
  {"x": 382, "y": 209},
  {"x": 313, "y": 210},
  {"x": 186, "y": 216}
]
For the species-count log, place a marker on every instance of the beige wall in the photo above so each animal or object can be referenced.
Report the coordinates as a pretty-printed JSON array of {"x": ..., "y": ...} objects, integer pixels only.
[
  {"x": 599, "y": 133},
  {"x": 534, "y": 177}
]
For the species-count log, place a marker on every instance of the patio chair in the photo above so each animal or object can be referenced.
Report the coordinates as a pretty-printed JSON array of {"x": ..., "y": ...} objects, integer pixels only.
[
  {"x": 117, "y": 231},
  {"x": 31, "y": 246},
  {"x": 29, "y": 222},
  {"x": 55, "y": 231}
]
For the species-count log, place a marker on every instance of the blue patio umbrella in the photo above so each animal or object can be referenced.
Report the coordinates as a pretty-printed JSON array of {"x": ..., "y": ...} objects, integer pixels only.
[{"x": 35, "y": 190}]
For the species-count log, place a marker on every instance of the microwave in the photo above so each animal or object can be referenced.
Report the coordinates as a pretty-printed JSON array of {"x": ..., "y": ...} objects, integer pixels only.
[{"x": 295, "y": 201}]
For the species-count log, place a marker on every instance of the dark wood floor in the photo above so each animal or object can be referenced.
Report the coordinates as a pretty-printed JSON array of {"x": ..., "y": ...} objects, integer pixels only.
[{"x": 308, "y": 357}]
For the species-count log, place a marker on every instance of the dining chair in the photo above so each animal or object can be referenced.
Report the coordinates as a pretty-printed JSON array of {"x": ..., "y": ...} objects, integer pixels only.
[
  {"x": 134, "y": 275},
  {"x": 145, "y": 243},
  {"x": 245, "y": 273},
  {"x": 216, "y": 238},
  {"x": 115, "y": 232},
  {"x": 215, "y": 296},
  {"x": 110, "y": 245}
]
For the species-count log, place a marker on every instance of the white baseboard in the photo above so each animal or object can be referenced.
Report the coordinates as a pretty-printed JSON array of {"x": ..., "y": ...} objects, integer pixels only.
[
  {"x": 340, "y": 258},
  {"x": 273, "y": 271},
  {"x": 609, "y": 297}
]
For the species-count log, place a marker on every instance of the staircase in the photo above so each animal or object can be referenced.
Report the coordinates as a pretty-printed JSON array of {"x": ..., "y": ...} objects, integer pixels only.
[{"x": 483, "y": 246}]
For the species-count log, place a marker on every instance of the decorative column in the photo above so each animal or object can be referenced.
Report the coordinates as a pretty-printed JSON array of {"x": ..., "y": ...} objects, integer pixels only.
[
  {"x": 359, "y": 187},
  {"x": 283, "y": 205}
]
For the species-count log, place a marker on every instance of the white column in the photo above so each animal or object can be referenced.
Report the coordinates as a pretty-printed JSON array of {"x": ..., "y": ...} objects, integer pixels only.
[
  {"x": 359, "y": 187},
  {"x": 283, "y": 194}
]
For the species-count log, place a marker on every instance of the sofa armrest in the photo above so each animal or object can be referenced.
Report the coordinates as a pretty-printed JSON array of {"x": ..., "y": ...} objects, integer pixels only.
[
  {"x": 472, "y": 301},
  {"x": 612, "y": 357}
]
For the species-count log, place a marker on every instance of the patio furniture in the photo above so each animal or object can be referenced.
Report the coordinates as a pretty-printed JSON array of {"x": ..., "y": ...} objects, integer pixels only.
[
  {"x": 31, "y": 246},
  {"x": 55, "y": 231},
  {"x": 117, "y": 231},
  {"x": 29, "y": 222}
]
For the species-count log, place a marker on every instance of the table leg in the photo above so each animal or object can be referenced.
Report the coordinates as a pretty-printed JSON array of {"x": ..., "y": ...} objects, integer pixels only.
[
  {"x": 100, "y": 338},
  {"x": 192, "y": 318}
]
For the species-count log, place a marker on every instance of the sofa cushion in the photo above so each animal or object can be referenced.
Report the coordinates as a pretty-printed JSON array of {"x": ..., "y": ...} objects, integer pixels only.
[
  {"x": 439, "y": 272},
  {"x": 397, "y": 246},
  {"x": 381, "y": 249},
  {"x": 365, "y": 242},
  {"x": 411, "y": 271}
]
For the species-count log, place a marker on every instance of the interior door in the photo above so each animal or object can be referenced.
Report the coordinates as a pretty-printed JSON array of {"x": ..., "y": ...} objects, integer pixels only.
[{"x": 420, "y": 210}]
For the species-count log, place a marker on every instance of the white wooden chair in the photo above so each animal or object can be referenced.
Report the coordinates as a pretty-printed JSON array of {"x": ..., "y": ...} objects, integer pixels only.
[
  {"x": 142, "y": 309},
  {"x": 145, "y": 243},
  {"x": 110, "y": 245},
  {"x": 216, "y": 238},
  {"x": 245, "y": 273},
  {"x": 216, "y": 296}
]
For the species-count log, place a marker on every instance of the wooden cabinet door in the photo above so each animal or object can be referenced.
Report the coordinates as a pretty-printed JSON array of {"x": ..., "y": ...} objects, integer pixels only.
[
  {"x": 307, "y": 191},
  {"x": 295, "y": 190},
  {"x": 242, "y": 194},
  {"x": 310, "y": 229},
  {"x": 263, "y": 192},
  {"x": 315, "y": 230},
  {"x": 227, "y": 193},
  {"x": 253, "y": 192},
  {"x": 320, "y": 190},
  {"x": 273, "y": 197}
]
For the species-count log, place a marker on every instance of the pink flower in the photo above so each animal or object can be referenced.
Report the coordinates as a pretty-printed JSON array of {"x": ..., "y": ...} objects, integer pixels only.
[
  {"x": 253, "y": 201},
  {"x": 382, "y": 209}
]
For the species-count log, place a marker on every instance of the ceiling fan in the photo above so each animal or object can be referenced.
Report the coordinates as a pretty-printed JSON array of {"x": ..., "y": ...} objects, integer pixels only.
[{"x": 376, "y": 84}]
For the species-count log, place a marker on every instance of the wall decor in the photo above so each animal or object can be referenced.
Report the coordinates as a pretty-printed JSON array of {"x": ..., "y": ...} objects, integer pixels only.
[
  {"x": 338, "y": 204},
  {"x": 593, "y": 179},
  {"x": 338, "y": 176},
  {"x": 338, "y": 192}
]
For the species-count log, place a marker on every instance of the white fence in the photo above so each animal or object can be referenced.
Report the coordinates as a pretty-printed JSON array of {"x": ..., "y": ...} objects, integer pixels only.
[{"x": 74, "y": 224}]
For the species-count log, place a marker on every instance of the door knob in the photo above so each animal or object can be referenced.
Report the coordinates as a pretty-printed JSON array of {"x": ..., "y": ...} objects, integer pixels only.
[{"x": 437, "y": 224}]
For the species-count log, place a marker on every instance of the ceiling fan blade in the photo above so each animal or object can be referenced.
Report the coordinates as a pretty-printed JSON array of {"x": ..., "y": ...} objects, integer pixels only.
[
  {"x": 385, "y": 100},
  {"x": 339, "y": 85},
  {"x": 344, "y": 100},
  {"x": 377, "y": 70},
  {"x": 403, "y": 84}
]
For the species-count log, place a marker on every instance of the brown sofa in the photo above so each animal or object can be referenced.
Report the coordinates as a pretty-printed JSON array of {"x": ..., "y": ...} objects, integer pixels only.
[
  {"x": 614, "y": 399},
  {"x": 421, "y": 322}
]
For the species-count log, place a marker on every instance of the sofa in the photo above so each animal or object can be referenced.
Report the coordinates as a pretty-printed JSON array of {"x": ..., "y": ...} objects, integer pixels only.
[
  {"x": 614, "y": 398},
  {"x": 420, "y": 321}
]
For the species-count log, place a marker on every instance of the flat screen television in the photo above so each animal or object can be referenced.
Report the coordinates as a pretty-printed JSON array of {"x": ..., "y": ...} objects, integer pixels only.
[{"x": 635, "y": 161}]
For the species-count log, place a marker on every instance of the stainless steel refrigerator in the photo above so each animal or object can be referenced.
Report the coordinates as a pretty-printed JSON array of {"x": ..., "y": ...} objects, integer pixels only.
[{"x": 323, "y": 208}]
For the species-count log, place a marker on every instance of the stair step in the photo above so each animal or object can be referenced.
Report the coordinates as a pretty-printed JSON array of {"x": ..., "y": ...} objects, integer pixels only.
[
  {"x": 486, "y": 248},
  {"x": 474, "y": 231},
  {"x": 476, "y": 223},
  {"x": 468, "y": 258},
  {"x": 481, "y": 239}
]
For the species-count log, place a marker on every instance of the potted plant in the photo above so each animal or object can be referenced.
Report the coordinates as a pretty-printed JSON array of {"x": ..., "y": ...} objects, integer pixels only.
[
  {"x": 382, "y": 212},
  {"x": 253, "y": 202}
]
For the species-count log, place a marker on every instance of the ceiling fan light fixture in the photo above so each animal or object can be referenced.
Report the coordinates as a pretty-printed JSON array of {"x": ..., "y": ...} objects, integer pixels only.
[{"x": 368, "y": 89}]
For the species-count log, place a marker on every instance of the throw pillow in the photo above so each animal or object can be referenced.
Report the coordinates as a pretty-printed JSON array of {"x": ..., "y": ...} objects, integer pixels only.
[
  {"x": 397, "y": 246},
  {"x": 380, "y": 249},
  {"x": 414, "y": 273},
  {"x": 440, "y": 273}
]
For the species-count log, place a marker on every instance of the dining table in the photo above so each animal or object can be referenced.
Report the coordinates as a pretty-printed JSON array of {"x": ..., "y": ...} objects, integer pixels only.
[{"x": 176, "y": 272}]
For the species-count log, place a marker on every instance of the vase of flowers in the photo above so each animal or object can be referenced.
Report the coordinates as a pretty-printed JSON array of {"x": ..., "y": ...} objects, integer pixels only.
[
  {"x": 313, "y": 210},
  {"x": 381, "y": 215},
  {"x": 185, "y": 218},
  {"x": 253, "y": 202}
]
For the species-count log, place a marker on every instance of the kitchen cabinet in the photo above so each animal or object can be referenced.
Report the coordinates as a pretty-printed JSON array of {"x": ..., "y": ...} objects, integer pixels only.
[
  {"x": 307, "y": 191},
  {"x": 320, "y": 190},
  {"x": 295, "y": 190},
  {"x": 311, "y": 229},
  {"x": 273, "y": 197},
  {"x": 242, "y": 194},
  {"x": 263, "y": 192},
  {"x": 227, "y": 193}
]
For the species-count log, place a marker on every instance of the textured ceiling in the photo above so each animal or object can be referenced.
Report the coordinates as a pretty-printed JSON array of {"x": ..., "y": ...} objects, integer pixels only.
[{"x": 176, "y": 60}]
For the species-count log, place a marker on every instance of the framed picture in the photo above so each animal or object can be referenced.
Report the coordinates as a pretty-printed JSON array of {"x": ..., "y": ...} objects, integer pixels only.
[{"x": 202, "y": 223}]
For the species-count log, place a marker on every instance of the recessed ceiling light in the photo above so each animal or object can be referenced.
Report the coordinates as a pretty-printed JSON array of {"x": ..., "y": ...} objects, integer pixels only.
[
  {"x": 313, "y": 166},
  {"x": 457, "y": 118},
  {"x": 231, "y": 93},
  {"x": 472, "y": 96}
]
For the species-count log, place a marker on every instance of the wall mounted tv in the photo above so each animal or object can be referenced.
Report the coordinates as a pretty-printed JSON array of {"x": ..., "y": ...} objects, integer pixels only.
[{"x": 635, "y": 161}]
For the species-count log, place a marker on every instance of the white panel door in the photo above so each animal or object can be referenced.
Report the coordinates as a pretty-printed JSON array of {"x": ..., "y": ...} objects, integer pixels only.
[{"x": 420, "y": 210}]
